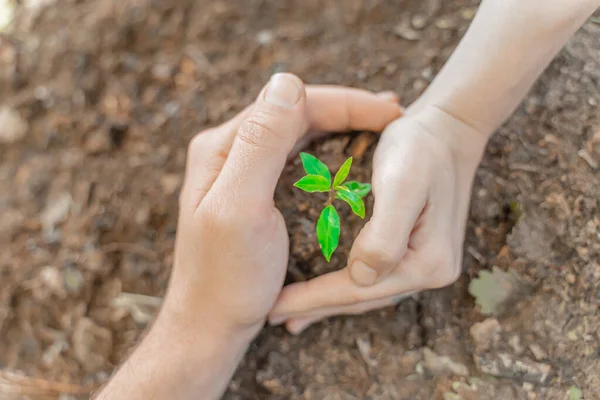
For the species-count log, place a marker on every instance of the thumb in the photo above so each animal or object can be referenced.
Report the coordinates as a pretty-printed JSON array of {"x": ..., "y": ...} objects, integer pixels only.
[
  {"x": 383, "y": 242},
  {"x": 265, "y": 137}
]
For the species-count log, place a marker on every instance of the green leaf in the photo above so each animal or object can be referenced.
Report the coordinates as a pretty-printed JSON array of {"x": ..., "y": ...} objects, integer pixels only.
[
  {"x": 313, "y": 166},
  {"x": 313, "y": 183},
  {"x": 353, "y": 200},
  {"x": 342, "y": 173},
  {"x": 575, "y": 393},
  {"x": 328, "y": 231},
  {"x": 361, "y": 189},
  {"x": 494, "y": 289}
]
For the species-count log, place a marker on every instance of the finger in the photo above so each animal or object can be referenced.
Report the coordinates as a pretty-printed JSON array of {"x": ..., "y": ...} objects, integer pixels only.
[
  {"x": 339, "y": 109},
  {"x": 296, "y": 325},
  {"x": 206, "y": 155},
  {"x": 337, "y": 289},
  {"x": 265, "y": 137},
  {"x": 400, "y": 187},
  {"x": 387, "y": 104},
  {"x": 390, "y": 96}
]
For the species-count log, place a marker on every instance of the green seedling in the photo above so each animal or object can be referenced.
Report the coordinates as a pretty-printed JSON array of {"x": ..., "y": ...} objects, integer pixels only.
[{"x": 318, "y": 179}]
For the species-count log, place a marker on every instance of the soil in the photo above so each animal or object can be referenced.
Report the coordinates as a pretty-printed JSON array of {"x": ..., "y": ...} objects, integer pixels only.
[{"x": 110, "y": 93}]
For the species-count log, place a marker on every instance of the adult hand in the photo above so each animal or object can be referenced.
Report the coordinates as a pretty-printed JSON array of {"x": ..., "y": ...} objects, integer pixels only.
[
  {"x": 232, "y": 246},
  {"x": 232, "y": 243},
  {"x": 423, "y": 170}
]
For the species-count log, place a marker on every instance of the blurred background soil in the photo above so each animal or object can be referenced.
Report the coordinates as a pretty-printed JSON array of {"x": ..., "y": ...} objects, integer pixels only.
[{"x": 98, "y": 100}]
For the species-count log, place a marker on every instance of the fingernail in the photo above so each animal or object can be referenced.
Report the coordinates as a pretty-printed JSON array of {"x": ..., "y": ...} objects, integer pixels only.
[
  {"x": 283, "y": 90},
  {"x": 390, "y": 96},
  {"x": 362, "y": 274}
]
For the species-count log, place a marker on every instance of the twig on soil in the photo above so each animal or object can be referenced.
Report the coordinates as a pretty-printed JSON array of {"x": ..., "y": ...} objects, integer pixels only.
[
  {"x": 130, "y": 248},
  {"x": 523, "y": 167},
  {"x": 11, "y": 382},
  {"x": 142, "y": 308}
]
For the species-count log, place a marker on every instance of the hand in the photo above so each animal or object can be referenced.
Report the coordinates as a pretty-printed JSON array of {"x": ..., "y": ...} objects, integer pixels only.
[
  {"x": 423, "y": 170},
  {"x": 232, "y": 243},
  {"x": 231, "y": 252}
]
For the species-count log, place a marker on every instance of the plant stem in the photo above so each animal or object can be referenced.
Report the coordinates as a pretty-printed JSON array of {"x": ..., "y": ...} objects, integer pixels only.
[{"x": 331, "y": 198}]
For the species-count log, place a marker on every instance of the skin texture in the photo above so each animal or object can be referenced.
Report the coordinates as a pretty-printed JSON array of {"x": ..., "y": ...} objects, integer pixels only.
[
  {"x": 232, "y": 245},
  {"x": 425, "y": 163},
  {"x": 231, "y": 251}
]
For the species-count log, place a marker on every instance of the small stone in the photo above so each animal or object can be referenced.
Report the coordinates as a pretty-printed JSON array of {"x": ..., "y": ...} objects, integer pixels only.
[
  {"x": 527, "y": 386},
  {"x": 468, "y": 13},
  {"x": 73, "y": 279},
  {"x": 172, "y": 108},
  {"x": 56, "y": 211},
  {"x": 98, "y": 142},
  {"x": 264, "y": 37},
  {"x": 404, "y": 31},
  {"x": 442, "y": 365},
  {"x": 52, "y": 279},
  {"x": 515, "y": 343},
  {"x": 13, "y": 127},
  {"x": 446, "y": 22},
  {"x": 538, "y": 352},
  {"x": 504, "y": 365},
  {"x": 162, "y": 72},
  {"x": 427, "y": 73},
  {"x": 486, "y": 333},
  {"x": 419, "y": 21}
]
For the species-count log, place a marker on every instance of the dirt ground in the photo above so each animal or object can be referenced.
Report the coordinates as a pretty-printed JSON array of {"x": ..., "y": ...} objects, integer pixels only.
[{"x": 99, "y": 100}]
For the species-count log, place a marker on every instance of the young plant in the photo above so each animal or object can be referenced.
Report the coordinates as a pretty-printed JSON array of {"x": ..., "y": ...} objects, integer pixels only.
[{"x": 318, "y": 179}]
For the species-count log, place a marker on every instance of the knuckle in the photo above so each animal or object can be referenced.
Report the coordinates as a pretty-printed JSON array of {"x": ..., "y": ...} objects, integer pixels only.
[
  {"x": 256, "y": 129},
  {"x": 230, "y": 218},
  {"x": 199, "y": 142},
  {"x": 443, "y": 268},
  {"x": 379, "y": 253}
]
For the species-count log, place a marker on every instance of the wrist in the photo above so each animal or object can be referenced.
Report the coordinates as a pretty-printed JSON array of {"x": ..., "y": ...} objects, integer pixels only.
[
  {"x": 193, "y": 311},
  {"x": 466, "y": 141},
  {"x": 178, "y": 361}
]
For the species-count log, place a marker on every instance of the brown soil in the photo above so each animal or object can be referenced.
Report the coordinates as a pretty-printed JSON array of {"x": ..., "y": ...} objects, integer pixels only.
[{"x": 114, "y": 90}]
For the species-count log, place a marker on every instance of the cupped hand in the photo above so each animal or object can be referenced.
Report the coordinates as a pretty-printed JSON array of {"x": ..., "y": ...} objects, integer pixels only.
[
  {"x": 232, "y": 244},
  {"x": 423, "y": 171}
]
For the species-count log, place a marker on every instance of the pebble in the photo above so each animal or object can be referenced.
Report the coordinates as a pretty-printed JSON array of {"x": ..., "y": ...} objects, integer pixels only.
[
  {"x": 485, "y": 333},
  {"x": 56, "y": 211},
  {"x": 537, "y": 351},
  {"x": 504, "y": 365},
  {"x": 73, "y": 279},
  {"x": 442, "y": 365},
  {"x": 404, "y": 31},
  {"x": 162, "y": 72},
  {"x": 264, "y": 37},
  {"x": 13, "y": 126},
  {"x": 98, "y": 142}
]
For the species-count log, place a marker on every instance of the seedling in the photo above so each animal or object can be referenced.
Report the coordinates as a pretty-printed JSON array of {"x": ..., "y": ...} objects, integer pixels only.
[{"x": 318, "y": 179}]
